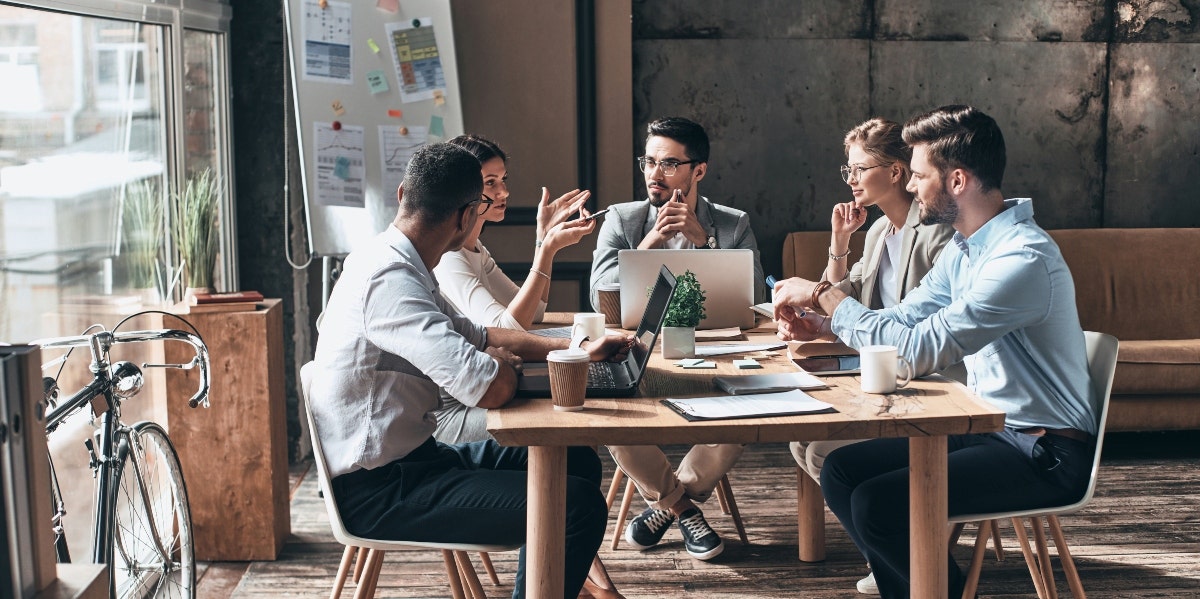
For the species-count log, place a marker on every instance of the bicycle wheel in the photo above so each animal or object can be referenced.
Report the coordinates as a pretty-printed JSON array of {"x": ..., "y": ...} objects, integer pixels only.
[{"x": 153, "y": 555}]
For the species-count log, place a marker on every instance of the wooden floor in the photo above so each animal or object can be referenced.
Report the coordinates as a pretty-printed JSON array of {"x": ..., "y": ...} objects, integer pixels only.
[{"x": 1140, "y": 537}]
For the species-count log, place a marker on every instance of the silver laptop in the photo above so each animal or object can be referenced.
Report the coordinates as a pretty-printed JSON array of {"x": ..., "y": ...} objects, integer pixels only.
[
  {"x": 614, "y": 379},
  {"x": 726, "y": 276}
]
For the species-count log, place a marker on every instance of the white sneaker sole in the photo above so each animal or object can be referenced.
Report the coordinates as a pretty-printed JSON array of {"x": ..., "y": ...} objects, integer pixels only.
[
  {"x": 629, "y": 539},
  {"x": 711, "y": 553}
]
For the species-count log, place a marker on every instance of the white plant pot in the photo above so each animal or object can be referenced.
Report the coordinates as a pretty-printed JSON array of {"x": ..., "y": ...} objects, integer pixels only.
[{"x": 678, "y": 342}]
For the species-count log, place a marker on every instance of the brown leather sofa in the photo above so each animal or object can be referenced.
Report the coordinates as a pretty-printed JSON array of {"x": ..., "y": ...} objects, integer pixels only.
[{"x": 1133, "y": 284}]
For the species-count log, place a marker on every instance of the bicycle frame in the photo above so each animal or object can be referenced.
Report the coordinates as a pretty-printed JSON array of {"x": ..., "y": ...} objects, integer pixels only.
[{"x": 106, "y": 386}]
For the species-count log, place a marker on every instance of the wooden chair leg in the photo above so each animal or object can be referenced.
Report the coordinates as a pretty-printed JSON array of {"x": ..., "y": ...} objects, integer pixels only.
[
  {"x": 995, "y": 524},
  {"x": 614, "y": 487},
  {"x": 487, "y": 565},
  {"x": 622, "y": 514},
  {"x": 359, "y": 564},
  {"x": 456, "y": 586},
  {"x": 732, "y": 509},
  {"x": 370, "y": 578},
  {"x": 723, "y": 495},
  {"x": 955, "y": 532},
  {"x": 1064, "y": 555},
  {"x": 1030, "y": 562},
  {"x": 343, "y": 571},
  {"x": 810, "y": 517},
  {"x": 972, "y": 583},
  {"x": 470, "y": 579},
  {"x": 1039, "y": 535}
]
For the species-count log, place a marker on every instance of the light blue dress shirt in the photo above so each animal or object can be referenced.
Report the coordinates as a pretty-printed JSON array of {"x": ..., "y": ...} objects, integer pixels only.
[{"x": 1003, "y": 301}]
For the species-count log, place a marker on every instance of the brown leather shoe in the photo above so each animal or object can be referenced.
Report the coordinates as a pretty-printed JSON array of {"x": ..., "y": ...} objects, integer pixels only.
[{"x": 592, "y": 590}]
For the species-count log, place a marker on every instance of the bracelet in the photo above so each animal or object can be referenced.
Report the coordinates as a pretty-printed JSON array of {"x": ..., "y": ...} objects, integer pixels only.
[
  {"x": 842, "y": 257},
  {"x": 816, "y": 294},
  {"x": 538, "y": 272},
  {"x": 537, "y": 243}
]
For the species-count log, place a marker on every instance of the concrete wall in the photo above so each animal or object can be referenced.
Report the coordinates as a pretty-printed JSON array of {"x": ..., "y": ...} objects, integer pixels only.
[{"x": 1096, "y": 98}]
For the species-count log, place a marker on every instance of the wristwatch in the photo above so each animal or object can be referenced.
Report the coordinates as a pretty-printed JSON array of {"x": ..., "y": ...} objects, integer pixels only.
[{"x": 711, "y": 243}]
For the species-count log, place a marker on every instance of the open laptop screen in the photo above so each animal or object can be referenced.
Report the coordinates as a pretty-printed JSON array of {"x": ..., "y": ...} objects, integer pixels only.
[{"x": 652, "y": 318}]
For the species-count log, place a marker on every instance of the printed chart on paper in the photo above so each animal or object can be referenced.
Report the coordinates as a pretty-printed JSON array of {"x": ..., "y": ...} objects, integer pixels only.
[
  {"x": 418, "y": 61},
  {"x": 340, "y": 161}
]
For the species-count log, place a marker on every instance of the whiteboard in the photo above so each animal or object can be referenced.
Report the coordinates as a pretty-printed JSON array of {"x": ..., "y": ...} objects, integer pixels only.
[{"x": 352, "y": 155}]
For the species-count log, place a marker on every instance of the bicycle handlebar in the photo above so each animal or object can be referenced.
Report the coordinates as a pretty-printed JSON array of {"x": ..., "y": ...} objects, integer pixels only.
[{"x": 104, "y": 339}]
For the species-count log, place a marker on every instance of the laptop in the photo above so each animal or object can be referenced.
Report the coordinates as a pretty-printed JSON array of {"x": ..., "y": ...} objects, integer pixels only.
[
  {"x": 726, "y": 276},
  {"x": 614, "y": 379}
]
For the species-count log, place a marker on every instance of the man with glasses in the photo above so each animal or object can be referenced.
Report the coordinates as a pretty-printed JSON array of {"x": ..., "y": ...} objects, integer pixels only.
[
  {"x": 388, "y": 342},
  {"x": 674, "y": 216}
]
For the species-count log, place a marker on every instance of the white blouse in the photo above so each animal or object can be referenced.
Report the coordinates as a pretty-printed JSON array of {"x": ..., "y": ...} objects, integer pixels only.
[{"x": 479, "y": 289}]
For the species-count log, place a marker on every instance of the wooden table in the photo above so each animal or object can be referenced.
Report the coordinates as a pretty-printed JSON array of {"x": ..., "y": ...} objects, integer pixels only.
[{"x": 926, "y": 411}]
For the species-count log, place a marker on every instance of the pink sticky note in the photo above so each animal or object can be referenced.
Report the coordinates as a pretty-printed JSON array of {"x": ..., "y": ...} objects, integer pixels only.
[{"x": 388, "y": 5}]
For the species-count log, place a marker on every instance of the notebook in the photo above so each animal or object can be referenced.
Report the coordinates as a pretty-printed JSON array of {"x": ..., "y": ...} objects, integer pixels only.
[
  {"x": 726, "y": 276},
  {"x": 767, "y": 383},
  {"x": 614, "y": 379}
]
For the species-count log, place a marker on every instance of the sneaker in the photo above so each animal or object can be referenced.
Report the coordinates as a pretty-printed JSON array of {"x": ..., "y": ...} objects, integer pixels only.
[
  {"x": 648, "y": 528},
  {"x": 867, "y": 585},
  {"x": 700, "y": 540}
]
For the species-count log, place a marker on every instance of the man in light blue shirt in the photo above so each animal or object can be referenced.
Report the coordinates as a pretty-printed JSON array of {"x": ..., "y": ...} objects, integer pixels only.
[{"x": 1002, "y": 300}]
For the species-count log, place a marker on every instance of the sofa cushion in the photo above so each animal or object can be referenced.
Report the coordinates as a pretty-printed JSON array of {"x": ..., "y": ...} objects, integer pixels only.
[{"x": 1158, "y": 367}]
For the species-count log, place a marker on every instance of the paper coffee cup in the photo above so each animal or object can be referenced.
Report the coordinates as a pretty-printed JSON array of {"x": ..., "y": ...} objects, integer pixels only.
[
  {"x": 608, "y": 298},
  {"x": 568, "y": 378}
]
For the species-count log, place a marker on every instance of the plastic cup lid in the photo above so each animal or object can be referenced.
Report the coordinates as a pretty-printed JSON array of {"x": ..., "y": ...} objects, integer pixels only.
[
  {"x": 609, "y": 287},
  {"x": 568, "y": 355}
]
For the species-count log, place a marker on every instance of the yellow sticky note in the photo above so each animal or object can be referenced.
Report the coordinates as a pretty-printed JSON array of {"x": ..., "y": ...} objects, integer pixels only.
[
  {"x": 338, "y": 110},
  {"x": 372, "y": 45},
  {"x": 439, "y": 98}
]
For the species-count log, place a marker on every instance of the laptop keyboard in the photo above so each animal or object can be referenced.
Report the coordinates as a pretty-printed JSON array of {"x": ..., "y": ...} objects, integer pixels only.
[{"x": 600, "y": 375}]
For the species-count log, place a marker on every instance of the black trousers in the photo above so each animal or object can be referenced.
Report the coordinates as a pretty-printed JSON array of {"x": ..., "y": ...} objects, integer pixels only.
[
  {"x": 866, "y": 486},
  {"x": 472, "y": 493}
]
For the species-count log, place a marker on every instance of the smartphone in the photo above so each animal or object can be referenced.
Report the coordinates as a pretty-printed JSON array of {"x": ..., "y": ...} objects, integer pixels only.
[
  {"x": 594, "y": 215},
  {"x": 829, "y": 364}
]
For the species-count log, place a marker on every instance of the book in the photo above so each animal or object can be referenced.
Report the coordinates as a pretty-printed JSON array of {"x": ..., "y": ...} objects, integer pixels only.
[
  {"x": 767, "y": 383},
  {"x": 788, "y": 403},
  {"x": 766, "y": 309},
  {"x": 227, "y": 297},
  {"x": 185, "y": 308},
  {"x": 819, "y": 349}
]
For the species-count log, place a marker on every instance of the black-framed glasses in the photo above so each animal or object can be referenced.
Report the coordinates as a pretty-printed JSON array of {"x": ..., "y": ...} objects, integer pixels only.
[
  {"x": 854, "y": 172},
  {"x": 484, "y": 203},
  {"x": 668, "y": 167}
]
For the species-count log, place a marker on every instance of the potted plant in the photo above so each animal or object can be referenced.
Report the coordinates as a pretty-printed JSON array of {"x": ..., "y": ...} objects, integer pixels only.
[
  {"x": 685, "y": 311},
  {"x": 194, "y": 228},
  {"x": 142, "y": 239}
]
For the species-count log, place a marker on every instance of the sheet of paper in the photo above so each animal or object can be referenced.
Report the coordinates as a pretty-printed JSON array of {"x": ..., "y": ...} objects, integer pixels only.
[
  {"x": 339, "y": 163},
  {"x": 744, "y": 406},
  {"x": 418, "y": 61},
  {"x": 736, "y": 348},
  {"x": 395, "y": 150},
  {"x": 719, "y": 334},
  {"x": 327, "y": 54}
]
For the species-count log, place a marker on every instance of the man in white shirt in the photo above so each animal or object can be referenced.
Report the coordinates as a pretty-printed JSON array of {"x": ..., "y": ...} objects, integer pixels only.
[{"x": 388, "y": 342}]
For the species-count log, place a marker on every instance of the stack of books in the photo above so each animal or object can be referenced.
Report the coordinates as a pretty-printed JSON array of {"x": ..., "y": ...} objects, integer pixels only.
[{"x": 233, "y": 301}]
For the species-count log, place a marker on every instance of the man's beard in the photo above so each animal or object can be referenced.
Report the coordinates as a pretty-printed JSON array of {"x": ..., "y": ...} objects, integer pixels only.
[
  {"x": 942, "y": 211},
  {"x": 666, "y": 195}
]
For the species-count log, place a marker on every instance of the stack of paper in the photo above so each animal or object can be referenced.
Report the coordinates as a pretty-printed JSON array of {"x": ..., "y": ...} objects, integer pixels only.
[
  {"x": 768, "y": 383},
  {"x": 748, "y": 406}
]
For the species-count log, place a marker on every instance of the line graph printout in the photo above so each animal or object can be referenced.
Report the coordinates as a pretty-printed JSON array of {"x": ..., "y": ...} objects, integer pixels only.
[
  {"x": 418, "y": 61},
  {"x": 327, "y": 51},
  {"x": 340, "y": 161},
  {"x": 395, "y": 149}
]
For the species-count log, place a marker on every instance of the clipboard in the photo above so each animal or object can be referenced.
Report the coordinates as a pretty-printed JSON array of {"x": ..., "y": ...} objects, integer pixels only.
[{"x": 762, "y": 405}]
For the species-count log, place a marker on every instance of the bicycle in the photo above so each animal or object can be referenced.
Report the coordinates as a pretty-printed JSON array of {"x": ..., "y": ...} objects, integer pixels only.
[{"x": 141, "y": 527}]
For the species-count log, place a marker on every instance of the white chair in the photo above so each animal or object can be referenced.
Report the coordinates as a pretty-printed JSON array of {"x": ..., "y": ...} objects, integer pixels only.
[
  {"x": 458, "y": 565},
  {"x": 1102, "y": 362}
]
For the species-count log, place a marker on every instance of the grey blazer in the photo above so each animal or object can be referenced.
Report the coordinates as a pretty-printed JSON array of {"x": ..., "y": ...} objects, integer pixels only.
[{"x": 625, "y": 225}]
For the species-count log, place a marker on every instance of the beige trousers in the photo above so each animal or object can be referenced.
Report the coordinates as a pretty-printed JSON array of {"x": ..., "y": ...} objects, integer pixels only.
[
  {"x": 810, "y": 455},
  {"x": 698, "y": 474}
]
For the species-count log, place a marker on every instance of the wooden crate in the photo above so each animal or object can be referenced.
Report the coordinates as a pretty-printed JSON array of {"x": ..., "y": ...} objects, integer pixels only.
[{"x": 234, "y": 454}]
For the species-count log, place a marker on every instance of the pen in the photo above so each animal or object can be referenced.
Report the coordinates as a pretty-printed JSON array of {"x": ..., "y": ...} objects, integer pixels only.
[{"x": 771, "y": 281}]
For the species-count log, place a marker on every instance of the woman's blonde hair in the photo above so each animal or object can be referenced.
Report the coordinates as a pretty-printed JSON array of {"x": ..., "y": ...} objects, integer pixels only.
[{"x": 881, "y": 139}]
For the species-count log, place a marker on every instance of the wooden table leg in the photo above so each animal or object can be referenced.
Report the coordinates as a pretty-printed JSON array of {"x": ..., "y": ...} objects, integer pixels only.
[
  {"x": 928, "y": 519},
  {"x": 546, "y": 536},
  {"x": 810, "y": 520}
]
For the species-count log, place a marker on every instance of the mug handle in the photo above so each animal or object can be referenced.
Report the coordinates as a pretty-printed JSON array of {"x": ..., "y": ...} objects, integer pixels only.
[
  {"x": 577, "y": 336},
  {"x": 908, "y": 372}
]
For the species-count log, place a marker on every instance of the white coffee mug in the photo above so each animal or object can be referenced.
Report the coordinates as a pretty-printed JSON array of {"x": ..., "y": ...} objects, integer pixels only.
[
  {"x": 588, "y": 324},
  {"x": 880, "y": 364}
]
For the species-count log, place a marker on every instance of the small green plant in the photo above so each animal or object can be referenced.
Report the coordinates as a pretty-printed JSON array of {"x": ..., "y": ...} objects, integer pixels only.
[
  {"x": 142, "y": 233},
  {"x": 687, "y": 306},
  {"x": 194, "y": 227}
]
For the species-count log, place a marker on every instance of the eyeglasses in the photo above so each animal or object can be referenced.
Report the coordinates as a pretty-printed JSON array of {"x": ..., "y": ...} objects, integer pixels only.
[
  {"x": 668, "y": 167},
  {"x": 854, "y": 172},
  {"x": 484, "y": 203}
]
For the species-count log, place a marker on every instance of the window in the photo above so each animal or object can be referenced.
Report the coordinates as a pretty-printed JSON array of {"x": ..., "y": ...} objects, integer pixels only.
[{"x": 103, "y": 114}]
